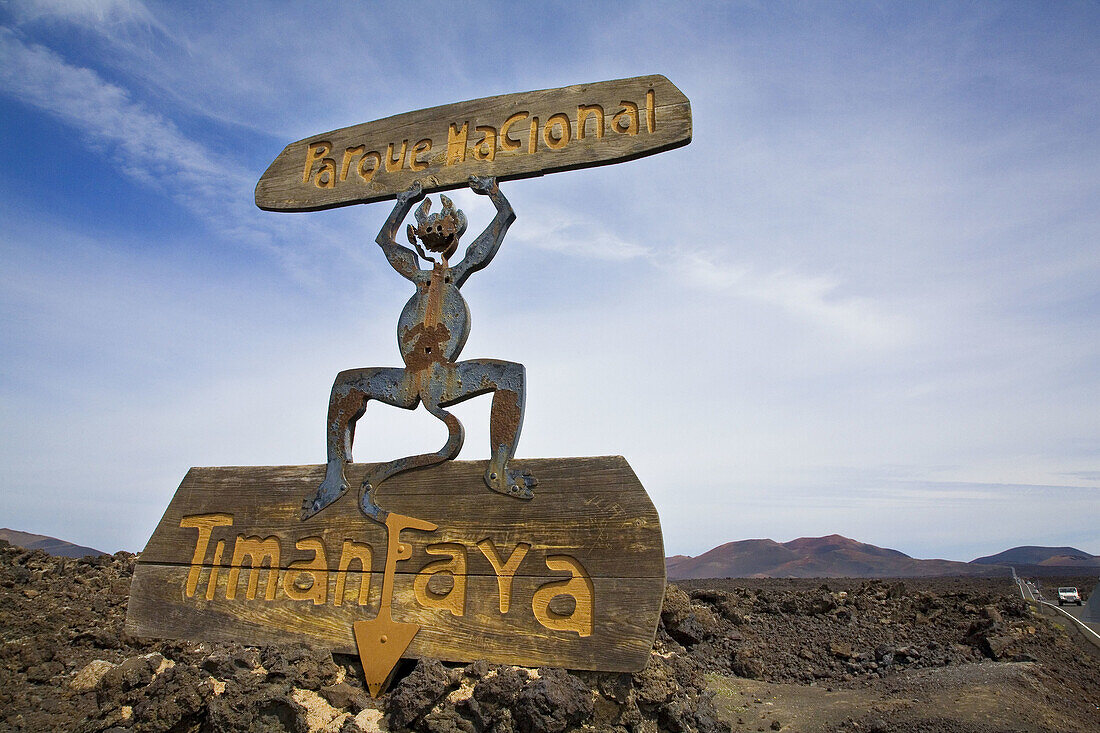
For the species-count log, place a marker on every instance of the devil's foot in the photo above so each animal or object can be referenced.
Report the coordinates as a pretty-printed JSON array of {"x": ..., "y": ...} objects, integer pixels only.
[
  {"x": 512, "y": 482},
  {"x": 331, "y": 489},
  {"x": 369, "y": 506}
]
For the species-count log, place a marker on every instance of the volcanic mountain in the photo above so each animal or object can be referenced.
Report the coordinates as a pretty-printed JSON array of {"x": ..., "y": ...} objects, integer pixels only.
[
  {"x": 52, "y": 545},
  {"x": 833, "y": 556},
  {"x": 1061, "y": 557}
]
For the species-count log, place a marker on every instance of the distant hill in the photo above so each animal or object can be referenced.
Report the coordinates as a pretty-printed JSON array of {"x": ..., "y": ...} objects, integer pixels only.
[
  {"x": 833, "y": 556},
  {"x": 51, "y": 545},
  {"x": 1050, "y": 557}
]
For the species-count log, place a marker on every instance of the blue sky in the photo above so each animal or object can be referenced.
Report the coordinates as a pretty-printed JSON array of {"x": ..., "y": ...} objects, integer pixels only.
[{"x": 864, "y": 300}]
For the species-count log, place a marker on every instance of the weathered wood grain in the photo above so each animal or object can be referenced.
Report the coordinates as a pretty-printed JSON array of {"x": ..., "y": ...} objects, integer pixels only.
[
  {"x": 624, "y": 623},
  {"x": 364, "y": 163},
  {"x": 592, "y": 510}
]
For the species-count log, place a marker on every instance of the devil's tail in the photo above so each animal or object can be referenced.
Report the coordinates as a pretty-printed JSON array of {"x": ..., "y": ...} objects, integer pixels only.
[{"x": 455, "y": 436}]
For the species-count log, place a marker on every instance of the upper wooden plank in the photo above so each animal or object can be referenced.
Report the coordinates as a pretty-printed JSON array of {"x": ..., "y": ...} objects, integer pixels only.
[{"x": 508, "y": 136}]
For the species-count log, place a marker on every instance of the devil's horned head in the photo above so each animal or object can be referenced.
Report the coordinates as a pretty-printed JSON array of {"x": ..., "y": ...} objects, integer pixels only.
[{"x": 438, "y": 232}]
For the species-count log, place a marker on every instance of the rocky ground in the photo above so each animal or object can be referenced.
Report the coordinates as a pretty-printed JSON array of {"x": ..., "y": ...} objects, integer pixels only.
[{"x": 760, "y": 655}]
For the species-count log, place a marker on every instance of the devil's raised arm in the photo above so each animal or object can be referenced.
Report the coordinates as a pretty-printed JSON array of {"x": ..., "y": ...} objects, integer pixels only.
[
  {"x": 481, "y": 252},
  {"x": 402, "y": 258}
]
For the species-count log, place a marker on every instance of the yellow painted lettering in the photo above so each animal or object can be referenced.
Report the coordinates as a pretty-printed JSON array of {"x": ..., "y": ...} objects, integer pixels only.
[
  {"x": 505, "y": 570},
  {"x": 454, "y": 599},
  {"x": 421, "y": 147},
  {"x": 579, "y": 587},
  {"x": 205, "y": 524},
  {"x": 395, "y": 164},
  {"x": 316, "y": 570},
  {"x": 350, "y": 154},
  {"x": 456, "y": 143},
  {"x": 486, "y": 147},
  {"x": 507, "y": 143},
  {"x": 556, "y": 141},
  {"x": 533, "y": 136},
  {"x": 315, "y": 152},
  {"x": 326, "y": 174},
  {"x": 256, "y": 550},
  {"x": 626, "y": 119},
  {"x": 584, "y": 111},
  {"x": 375, "y": 159},
  {"x": 212, "y": 583},
  {"x": 650, "y": 111},
  {"x": 353, "y": 552}
]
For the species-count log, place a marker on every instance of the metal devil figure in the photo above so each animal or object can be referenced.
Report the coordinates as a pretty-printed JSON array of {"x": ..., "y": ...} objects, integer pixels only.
[
  {"x": 431, "y": 333},
  {"x": 570, "y": 575}
]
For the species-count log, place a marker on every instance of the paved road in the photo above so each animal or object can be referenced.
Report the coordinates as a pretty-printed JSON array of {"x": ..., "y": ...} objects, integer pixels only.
[
  {"x": 1050, "y": 597},
  {"x": 1078, "y": 612}
]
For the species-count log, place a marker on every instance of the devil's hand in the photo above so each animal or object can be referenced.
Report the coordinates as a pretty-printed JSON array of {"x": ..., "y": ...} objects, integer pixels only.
[
  {"x": 483, "y": 184},
  {"x": 413, "y": 193}
]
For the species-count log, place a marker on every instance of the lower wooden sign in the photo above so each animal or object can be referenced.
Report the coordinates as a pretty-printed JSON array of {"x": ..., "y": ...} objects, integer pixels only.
[{"x": 572, "y": 578}]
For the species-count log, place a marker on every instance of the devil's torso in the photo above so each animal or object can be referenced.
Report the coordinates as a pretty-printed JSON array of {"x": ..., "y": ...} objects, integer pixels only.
[{"x": 435, "y": 322}]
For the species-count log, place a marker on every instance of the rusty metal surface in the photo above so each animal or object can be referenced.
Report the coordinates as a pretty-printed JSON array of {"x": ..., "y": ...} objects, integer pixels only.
[{"x": 431, "y": 332}]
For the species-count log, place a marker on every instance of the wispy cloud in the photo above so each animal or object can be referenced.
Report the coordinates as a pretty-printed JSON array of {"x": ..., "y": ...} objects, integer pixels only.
[
  {"x": 1093, "y": 476},
  {"x": 145, "y": 145},
  {"x": 816, "y": 299},
  {"x": 107, "y": 12},
  {"x": 150, "y": 149},
  {"x": 567, "y": 232}
]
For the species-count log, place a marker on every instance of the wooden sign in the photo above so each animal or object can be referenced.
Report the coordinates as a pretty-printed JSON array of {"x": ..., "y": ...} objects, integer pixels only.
[
  {"x": 509, "y": 136},
  {"x": 572, "y": 578}
]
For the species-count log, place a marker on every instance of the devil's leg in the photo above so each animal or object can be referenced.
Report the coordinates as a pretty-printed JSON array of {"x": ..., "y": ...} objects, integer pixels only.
[
  {"x": 507, "y": 381},
  {"x": 351, "y": 391},
  {"x": 431, "y": 382}
]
